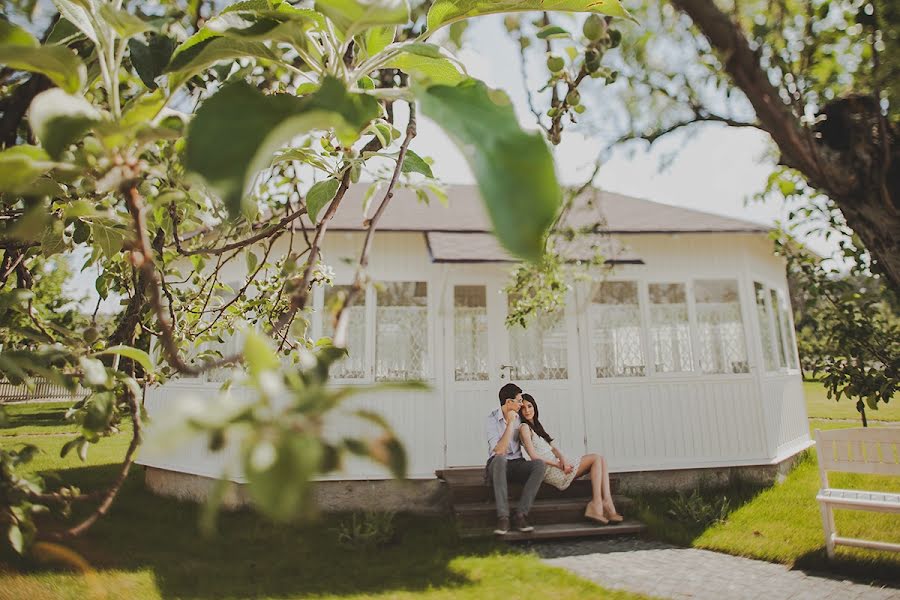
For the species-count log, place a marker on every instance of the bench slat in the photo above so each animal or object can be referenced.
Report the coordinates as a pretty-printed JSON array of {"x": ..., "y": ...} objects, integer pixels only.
[
  {"x": 863, "y": 500},
  {"x": 871, "y": 544}
]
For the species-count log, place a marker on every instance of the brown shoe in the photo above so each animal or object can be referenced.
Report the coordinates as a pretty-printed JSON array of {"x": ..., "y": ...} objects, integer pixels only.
[
  {"x": 612, "y": 515},
  {"x": 502, "y": 526},
  {"x": 591, "y": 513},
  {"x": 521, "y": 524}
]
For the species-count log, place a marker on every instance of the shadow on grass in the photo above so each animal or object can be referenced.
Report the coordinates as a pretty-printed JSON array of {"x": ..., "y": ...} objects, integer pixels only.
[
  {"x": 251, "y": 557},
  {"x": 870, "y": 571},
  {"x": 37, "y": 415}
]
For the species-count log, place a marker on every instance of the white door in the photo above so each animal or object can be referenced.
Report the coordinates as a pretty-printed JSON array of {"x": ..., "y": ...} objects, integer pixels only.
[{"x": 483, "y": 355}]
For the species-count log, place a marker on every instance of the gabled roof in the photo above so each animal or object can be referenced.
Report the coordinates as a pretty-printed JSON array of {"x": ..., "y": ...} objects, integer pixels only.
[{"x": 465, "y": 212}]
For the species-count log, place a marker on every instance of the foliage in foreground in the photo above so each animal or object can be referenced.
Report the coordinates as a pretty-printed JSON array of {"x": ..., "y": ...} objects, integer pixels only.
[
  {"x": 251, "y": 556},
  {"x": 163, "y": 144}
]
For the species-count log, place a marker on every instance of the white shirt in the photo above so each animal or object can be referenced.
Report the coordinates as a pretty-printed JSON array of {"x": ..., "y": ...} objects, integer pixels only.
[{"x": 495, "y": 425}]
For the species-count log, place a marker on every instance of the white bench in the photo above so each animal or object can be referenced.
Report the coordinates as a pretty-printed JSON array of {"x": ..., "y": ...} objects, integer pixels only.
[{"x": 858, "y": 450}]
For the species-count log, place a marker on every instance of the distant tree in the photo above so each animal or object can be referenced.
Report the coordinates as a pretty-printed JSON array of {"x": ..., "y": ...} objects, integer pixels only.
[{"x": 820, "y": 77}]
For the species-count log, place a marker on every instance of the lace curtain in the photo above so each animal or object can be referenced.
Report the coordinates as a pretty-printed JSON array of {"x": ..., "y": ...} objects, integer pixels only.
[
  {"x": 720, "y": 328},
  {"x": 353, "y": 366},
  {"x": 670, "y": 328},
  {"x": 401, "y": 331},
  {"x": 615, "y": 318},
  {"x": 470, "y": 333}
]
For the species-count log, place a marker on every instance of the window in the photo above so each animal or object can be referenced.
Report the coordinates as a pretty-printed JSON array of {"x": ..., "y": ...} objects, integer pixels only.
[
  {"x": 720, "y": 329},
  {"x": 766, "y": 326},
  {"x": 779, "y": 331},
  {"x": 615, "y": 319},
  {"x": 353, "y": 366},
  {"x": 470, "y": 333},
  {"x": 670, "y": 328},
  {"x": 401, "y": 331},
  {"x": 785, "y": 332},
  {"x": 540, "y": 350}
]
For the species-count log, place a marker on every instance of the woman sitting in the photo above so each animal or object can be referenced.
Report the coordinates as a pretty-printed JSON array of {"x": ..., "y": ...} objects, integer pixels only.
[{"x": 561, "y": 473}]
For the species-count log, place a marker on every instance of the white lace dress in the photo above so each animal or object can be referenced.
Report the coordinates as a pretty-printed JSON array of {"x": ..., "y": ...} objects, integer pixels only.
[{"x": 554, "y": 475}]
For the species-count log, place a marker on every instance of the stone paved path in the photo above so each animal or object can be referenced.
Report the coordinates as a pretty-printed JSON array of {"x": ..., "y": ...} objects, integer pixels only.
[{"x": 670, "y": 572}]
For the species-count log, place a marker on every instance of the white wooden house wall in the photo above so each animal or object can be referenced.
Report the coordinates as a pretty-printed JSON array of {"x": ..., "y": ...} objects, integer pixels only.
[{"x": 658, "y": 421}]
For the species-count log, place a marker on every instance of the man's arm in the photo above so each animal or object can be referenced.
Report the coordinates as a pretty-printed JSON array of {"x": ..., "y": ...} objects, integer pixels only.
[{"x": 503, "y": 444}]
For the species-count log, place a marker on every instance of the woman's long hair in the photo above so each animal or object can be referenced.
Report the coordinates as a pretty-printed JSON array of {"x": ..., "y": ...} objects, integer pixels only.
[{"x": 535, "y": 422}]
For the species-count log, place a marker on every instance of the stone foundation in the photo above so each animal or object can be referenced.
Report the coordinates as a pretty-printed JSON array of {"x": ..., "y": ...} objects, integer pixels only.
[{"x": 430, "y": 496}]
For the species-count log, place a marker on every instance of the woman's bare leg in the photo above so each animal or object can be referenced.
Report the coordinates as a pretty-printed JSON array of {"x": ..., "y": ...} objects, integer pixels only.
[
  {"x": 592, "y": 463},
  {"x": 607, "y": 493}
]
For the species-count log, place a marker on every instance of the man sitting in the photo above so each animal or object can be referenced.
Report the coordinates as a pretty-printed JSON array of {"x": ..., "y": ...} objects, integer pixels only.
[{"x": 505, "y": 461}]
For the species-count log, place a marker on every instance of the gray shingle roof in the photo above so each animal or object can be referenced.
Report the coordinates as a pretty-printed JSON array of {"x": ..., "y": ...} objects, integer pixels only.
[{"x": 465, "y": 212}]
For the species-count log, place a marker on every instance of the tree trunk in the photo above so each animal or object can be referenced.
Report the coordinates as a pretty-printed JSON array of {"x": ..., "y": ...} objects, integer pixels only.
[{"x": 851, "y": 157}]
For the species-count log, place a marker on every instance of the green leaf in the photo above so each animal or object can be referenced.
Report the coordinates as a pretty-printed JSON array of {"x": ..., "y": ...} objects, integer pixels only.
[
  {"x": 258, "y": 354},
  {"x": 355, "y": 15},
  {"x": 427, "y": 64},
  {"x": 135, "y": 354},
  {"x": 552, "y": 32},
  {"x": 19, "y": 50},
  {"x": 109, "y": 235},
  {"x": 445, "y": 12},
  {"x": 150, "y": 59},
  {"x": 236, "y": 132},
  {"x": 79, "y": 14},
  {"x": 206, "y": 48},
  {"x": 320, "y": 194},
  {"x": 16, "y": 539},
  {"x": 60, "y": 119},
  {"x": 378, "y": 38},
  {"x": 278, "y": 474},
  {"x": 124, "y": 23},
  {"x": 11, "y": 35},
  {"x": 53, "y": 238},
  {"x": 22, "y": 165},
  {"x": 262, "y": 23},
  {"x": 514, "y": 169},
  {"x": 413, "y": 163},
  {"x": 252, "y": 261}
]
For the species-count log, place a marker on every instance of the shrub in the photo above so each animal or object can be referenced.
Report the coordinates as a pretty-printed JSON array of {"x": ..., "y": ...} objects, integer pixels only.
[{"x": 367, "y": 529}]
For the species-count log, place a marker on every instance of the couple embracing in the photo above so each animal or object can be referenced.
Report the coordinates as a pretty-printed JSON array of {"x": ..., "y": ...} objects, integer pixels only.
[{"x": 515, "y": 425}]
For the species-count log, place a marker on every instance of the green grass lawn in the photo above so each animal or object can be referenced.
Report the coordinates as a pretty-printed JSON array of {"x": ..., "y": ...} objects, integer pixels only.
[
  {"x": 782, "y": 523},
  {"x": 149, "y": 548},
  {"x": 818, "y": 406},
  {"x": 37, "y": 418}
]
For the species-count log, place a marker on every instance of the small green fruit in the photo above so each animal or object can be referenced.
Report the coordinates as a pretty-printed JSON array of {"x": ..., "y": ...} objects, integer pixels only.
[
  {"x": 615, "y": 38},
  {"x": 580, "y": 109},
  {"x": 591, "y": 59},
  {"x": 91, "y": 335},
  {"x": 593, "y": 27},
  {"x": 555, "y": 63},
  {"x": 573, "y": 98}
]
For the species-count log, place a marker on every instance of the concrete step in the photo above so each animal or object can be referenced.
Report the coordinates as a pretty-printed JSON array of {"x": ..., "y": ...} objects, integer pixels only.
[
  {"x": 581, "y": 529},
  {"x": 475, "y": 515}
]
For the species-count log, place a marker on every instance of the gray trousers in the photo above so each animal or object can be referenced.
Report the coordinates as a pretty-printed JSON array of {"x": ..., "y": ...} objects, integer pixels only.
[{"x": 529, "y": 472}]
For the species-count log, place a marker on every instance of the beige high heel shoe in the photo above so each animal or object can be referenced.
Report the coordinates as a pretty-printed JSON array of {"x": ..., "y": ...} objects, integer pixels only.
[
  {"x": 591, "y": 513},
  {"x": 612, "y": 515}
]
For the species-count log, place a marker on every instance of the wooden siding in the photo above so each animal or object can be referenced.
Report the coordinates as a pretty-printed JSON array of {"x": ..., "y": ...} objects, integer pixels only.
[{"x": 661, "y": 421}]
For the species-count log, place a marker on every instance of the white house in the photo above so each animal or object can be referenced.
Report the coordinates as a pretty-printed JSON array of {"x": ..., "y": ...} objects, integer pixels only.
[{"x": 680, "y": 355}]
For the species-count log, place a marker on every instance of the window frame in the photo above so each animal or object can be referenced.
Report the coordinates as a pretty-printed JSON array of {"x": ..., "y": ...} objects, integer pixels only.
[{"x": 789, "y": 337}]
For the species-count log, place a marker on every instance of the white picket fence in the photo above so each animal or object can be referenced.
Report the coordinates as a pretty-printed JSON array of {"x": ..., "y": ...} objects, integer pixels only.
[{"x": 40, "y": 389}]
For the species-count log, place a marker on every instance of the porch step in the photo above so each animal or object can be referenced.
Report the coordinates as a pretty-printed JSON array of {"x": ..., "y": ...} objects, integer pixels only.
[
  {"x": 555, "y": 514},
  {"x": 475, "y": 515},
  {"x": 467, "y": 486},
  {"x": 563, "y": 530}
]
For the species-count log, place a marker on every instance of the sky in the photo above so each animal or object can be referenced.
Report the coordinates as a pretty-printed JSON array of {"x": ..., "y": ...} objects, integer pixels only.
[{"x": 715, "y": 168}]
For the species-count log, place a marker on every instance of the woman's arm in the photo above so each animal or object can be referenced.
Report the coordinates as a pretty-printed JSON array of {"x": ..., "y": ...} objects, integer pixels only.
[
  {"x": 563, "y": 465},
  {"x": 525, "y": 438}
]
